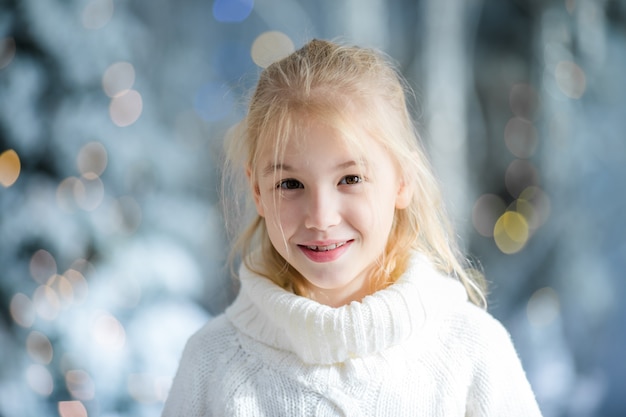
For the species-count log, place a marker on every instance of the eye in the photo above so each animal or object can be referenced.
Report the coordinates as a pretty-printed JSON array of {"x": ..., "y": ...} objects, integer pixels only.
[
  {"x": 289, "y": 184},
  {"x": 351, "y": 180}
]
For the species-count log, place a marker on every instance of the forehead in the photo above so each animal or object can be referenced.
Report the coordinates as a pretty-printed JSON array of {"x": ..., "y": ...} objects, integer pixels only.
[
  {"x": 308, "y": 138},
  {"x": 358, "y": 127}
]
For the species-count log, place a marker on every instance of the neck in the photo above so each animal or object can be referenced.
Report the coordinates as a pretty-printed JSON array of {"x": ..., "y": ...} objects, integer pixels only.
[{"x": 337, "y": 297}]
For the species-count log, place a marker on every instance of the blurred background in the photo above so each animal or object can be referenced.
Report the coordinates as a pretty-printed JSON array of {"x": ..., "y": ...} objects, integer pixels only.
[{"x": 112, "y": 116}]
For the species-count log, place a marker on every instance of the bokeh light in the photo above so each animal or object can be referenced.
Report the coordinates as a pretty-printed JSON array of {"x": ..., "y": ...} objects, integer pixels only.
[
  {"x": 65, "y": 194},
  {"x": 86, "y": 192},
  {"x": 126, "y": 108},
  {"x": 108, "y": 332},
  {"x": 511, "y": 232},
  {"x": 7, "y": 51},
  {"x": 89, "y": 193},
  {"x": 118, "y": 78},
  {"x": 22, "y": 310},
  {"x": 39, "y": 347},
  {"x": 83, "y": 267},
  {"x": 72, "y": 409},
  {"x": 534, "y": 204},
  {"x": 232, "y": 11},
  {"x": 39, "y": 379},
  {"x": 42, "y": 266},
  {"x": 97, "y": 13},
  {"x": 46, "y": 302},
  {"x": 92, "y": 160},
  {"x": 486, "y": 211},
  {"x": 520, "y": 175},
  {"x": 520, "y": 137},
  {"x": 80, "y": 288},
  {"x": 543, "y": 307},
  {"x": 10, "y": 167},
  {"x": 63, "y": 289},
  {"x": 80, "y": 384},
  {"x": 571, "y": 79},
  {"x": 270, "y": 47}
]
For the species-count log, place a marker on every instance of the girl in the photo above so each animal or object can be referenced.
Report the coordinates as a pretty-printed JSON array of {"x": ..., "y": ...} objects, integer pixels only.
[{"x": 354, "y": 300}]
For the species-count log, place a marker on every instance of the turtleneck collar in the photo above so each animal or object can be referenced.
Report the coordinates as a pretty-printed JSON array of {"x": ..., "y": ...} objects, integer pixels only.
[{"x": 320, "y": 334}]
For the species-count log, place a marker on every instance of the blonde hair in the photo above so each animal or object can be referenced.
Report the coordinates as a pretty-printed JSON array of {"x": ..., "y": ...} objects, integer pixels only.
[{"x": 326, "y": 81}]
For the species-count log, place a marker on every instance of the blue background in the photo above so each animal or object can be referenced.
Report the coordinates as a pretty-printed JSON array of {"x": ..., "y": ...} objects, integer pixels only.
[{"x": 112, "y": 242}]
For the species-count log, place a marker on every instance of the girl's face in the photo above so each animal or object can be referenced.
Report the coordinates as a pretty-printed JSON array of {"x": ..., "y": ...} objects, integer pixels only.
[{"x": 329, "y": 211}]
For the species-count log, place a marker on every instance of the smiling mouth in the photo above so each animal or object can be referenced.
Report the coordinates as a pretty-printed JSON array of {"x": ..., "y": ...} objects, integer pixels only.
[{"x": 325, "y": 248}]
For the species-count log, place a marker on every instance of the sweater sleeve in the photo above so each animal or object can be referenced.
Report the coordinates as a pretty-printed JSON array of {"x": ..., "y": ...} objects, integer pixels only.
[
  {"x": 183, "y": 398},
  {"x": 499, "y": 385}
]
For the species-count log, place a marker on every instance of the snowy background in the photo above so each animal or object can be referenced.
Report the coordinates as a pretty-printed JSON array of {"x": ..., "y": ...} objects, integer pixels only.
[{"x": 112, "y": 243}]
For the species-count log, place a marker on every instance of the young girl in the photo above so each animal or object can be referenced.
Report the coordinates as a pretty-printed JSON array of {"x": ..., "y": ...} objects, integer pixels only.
[{"x": 354, "y": 300}]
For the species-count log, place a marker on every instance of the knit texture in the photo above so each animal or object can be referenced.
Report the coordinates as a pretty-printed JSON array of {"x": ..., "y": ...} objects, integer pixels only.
[{"x": 417, "y": 348}]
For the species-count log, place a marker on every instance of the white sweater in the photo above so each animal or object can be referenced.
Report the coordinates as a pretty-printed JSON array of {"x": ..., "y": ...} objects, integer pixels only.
[{"x": 417, "y": 348}]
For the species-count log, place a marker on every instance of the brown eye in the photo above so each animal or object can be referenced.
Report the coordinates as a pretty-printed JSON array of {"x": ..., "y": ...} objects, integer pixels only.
[
  {"x": 290, "y": 184},
  {"x": 351, "y": 180}
]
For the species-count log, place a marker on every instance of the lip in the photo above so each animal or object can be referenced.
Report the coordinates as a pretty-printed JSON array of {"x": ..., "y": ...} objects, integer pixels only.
[{"x": 326, "y": 251}]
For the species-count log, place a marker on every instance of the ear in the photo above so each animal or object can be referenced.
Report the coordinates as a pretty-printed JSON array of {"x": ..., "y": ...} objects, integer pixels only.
[
  {"x": 256, "y": 193},
  {"x": 404, "y": 195}
]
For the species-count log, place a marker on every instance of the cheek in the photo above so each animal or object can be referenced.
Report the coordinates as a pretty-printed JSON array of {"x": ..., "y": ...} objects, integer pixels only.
[
  {"x": 379, "y": 212},
  {"x": 281, "y": 224},
  {"x": 378, "y": 208},
  {"x": 281, "y": 216}
]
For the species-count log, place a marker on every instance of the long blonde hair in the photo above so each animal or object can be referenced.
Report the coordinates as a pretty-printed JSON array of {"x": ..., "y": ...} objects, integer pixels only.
[{"x": 322, "y": 80}]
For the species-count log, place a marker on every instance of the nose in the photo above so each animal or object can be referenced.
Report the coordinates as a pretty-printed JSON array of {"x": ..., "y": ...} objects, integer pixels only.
[{"x": 322, "y": 210}]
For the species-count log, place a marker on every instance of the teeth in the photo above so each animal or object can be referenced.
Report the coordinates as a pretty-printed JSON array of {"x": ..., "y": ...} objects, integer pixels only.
[{"x": 326, "y": 248}]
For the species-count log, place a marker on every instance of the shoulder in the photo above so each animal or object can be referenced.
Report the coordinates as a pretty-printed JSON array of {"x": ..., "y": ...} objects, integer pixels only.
[
  {"x": 214, "y": 338},
  {"x": 199, "y": 369},
  {"x": 497, "y": 382},
  {"x": 477, "y": 324},
  {"x": 477, "y": 334},
  {"x": 470, "y": 340},
  {"x": 216, "y": 326}
]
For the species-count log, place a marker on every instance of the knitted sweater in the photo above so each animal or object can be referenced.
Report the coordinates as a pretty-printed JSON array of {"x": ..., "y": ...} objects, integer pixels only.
[{"x": 416, "y": 348}]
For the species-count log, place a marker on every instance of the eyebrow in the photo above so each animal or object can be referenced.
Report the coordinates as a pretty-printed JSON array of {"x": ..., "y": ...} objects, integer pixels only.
[{"x": 270, "y": 169}]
